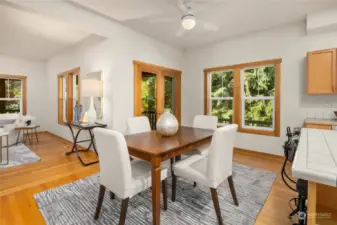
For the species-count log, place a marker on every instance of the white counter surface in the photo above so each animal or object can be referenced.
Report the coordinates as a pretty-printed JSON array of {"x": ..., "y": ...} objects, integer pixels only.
[{"x": 316, "y": 157}]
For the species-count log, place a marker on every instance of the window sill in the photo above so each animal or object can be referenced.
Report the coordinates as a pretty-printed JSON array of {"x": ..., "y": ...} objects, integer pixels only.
[{"x": 274, "y": 133}]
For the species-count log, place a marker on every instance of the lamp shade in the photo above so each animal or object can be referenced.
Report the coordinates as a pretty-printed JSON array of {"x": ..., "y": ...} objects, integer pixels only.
[{"x": 92, "y": 88}]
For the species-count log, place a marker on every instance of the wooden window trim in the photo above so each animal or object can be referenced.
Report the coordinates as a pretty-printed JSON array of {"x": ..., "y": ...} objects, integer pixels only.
[
  {"x": 24, "y": 89},
  {"x": 70, "y": 93},
  {"x": 237, "y": 108},
  {"x": 161, "y": 72}
]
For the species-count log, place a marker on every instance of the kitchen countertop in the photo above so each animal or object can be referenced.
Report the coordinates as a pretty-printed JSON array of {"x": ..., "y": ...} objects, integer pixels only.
[
  {"x": 316, "y": 157},
  {"x": 332, "y": 122}
]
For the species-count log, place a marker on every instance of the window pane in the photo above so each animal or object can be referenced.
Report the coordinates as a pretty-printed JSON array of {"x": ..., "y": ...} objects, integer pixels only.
[
  {"x": 169, "y": 94},
  {"x": 258, "y": 113},
  {"x": 149, "y": 92},
  {"x": 14, "y": 88},
  {"x": 223, "y": 109},
  {"x": 222, "y": 84},
  {"x": 9, "y": 106},
  {"x": 259, "y": 81},
  {"x": 3, "y": 88}
]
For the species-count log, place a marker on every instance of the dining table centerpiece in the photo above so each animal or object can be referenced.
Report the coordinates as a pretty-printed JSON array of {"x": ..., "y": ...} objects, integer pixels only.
[{"x": 167, "y": 124}]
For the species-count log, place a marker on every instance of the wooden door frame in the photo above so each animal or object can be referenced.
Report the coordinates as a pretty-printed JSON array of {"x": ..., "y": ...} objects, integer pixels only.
[{"x": 161, "y": 72}]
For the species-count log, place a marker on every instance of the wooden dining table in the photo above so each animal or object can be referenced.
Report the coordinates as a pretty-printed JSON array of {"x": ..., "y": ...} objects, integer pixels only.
[{"x": 155, "y": 148}]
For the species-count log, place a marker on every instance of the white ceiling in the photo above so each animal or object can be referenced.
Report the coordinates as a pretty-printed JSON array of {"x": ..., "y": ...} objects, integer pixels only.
[
  {"x": 33, "y": 36},
  {"x": 234, "y": 17}
]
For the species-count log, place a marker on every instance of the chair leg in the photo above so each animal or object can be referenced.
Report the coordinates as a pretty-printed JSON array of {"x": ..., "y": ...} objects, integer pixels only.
[
  {"x": 174, "y": 186},
  {"x": 164, "y": 187},
  {"x": 124, "y": 209},
  {"x": 216, "y": 205},
  {"x": 232, "y": 188},
  {"x": 194, "y": 184},
  {"x": 112, "y": 195},
  {"x": 100, "y": 201},
  {"x": 172, "y": 162}
]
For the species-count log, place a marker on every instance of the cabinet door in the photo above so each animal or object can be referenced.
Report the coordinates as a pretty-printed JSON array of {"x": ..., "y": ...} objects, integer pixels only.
[
  {"x": 319, "y": 126},
  {"x": 321, "y": 74}
]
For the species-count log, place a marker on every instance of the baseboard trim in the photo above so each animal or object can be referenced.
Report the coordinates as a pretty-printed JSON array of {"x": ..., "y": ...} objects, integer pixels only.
[{"x": 261, "y": 154}]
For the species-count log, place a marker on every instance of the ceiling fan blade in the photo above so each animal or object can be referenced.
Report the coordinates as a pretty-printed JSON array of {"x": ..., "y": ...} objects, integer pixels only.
[
  {"x": 209, "y": 26},
  {"x": 181, "y": 32},
  {"x": 163, "y": 20},
  {"x": 205, "y": 5},
  {"x": 181, "y": 6}
]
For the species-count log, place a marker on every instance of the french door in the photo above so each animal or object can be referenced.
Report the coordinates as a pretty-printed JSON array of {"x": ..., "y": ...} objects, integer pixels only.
[{"x": 156, "y": 88}]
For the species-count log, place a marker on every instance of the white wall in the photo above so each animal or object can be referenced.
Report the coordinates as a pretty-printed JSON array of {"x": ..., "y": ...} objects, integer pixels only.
[
  {"x": 114, "y": 57},
  {"x": 289, "y": 43},
  {"x": 36, "y": 84}
]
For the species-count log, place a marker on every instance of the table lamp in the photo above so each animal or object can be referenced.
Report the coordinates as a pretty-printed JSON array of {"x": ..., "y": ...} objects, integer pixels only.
[{"x": 92, "y": 88}]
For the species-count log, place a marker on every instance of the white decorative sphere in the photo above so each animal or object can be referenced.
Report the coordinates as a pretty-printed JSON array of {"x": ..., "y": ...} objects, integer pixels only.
[{"x": 167, "y": 124}]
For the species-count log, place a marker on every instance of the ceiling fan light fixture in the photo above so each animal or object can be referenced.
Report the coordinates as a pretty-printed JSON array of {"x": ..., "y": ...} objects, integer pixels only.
[{"x": 188, "y": 22}]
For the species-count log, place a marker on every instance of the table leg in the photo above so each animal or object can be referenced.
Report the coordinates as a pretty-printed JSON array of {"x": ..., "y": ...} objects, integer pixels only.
[
  {"x": 93, "y": 141},
  {"x": 29, "y": 136},
  {"x": 18, "y": 138},
  {"x": 75, "y": 149},
  {"x": 37, "y": 139},
  {"x": 156, "y": 190}
]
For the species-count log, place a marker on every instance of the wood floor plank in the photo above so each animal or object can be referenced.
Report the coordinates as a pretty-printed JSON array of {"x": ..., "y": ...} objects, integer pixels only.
[{"x": 19, "y": 184}]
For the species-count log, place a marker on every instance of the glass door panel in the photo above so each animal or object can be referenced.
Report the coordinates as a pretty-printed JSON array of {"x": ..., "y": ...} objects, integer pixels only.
[
  {"x": 149, "y": 97},
  {"x": 156, "y": 88},
  {"x": 169, "y": 94}
]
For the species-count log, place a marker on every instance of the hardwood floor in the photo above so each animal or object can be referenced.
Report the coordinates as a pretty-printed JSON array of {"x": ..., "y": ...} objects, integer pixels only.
[{"x": 19, "y": 184}]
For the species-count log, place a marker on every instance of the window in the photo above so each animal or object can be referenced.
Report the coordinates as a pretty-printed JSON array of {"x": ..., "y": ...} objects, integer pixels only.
[
  {"x": 222, "y": 93},
  {"x": 245, "y": 94},
  {"x": 13, "y": 94},
  {"x": 68, "y": 94}
]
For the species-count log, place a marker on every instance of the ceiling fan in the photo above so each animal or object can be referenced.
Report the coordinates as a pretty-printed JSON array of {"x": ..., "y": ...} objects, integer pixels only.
[{"x": 189, "y": 19}]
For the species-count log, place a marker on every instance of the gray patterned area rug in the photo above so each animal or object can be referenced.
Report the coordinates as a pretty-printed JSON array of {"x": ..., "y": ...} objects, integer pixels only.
[
  {"x": 75, "y": 203},
  {"x": 18, "y": 155}
]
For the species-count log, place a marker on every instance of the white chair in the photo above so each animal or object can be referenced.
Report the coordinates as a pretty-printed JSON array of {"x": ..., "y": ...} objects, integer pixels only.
[
  {"x": 122, "y": 177},
  {"x": 141, "y": 124},
  {"x": 204, "y": 122},
  {"x": 213, "y": 169}
]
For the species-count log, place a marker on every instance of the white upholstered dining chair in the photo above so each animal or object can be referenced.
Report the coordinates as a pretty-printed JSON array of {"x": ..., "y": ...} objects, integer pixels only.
[
  {"x": 212, "y": 169},
  {"x": 118, "y": 174},
  {"x": 141, "y": 124},
  {"x": 203, "y": 122}
]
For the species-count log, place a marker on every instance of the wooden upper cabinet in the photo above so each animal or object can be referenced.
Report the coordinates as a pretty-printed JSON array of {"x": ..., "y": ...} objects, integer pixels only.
[{"x": 321, "y": 72}]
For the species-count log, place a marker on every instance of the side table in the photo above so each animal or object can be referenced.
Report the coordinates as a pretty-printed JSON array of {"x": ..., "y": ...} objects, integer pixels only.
[
  {"x": 4, "y": 134},
  {"x": 81, "y": 127},
  {"x": 28, "y": 133}
]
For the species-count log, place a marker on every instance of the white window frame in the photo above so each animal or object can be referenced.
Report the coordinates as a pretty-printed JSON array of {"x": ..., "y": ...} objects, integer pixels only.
[
  {"x": 219, "y": 98},
  {"x": 14, "y": 99},
  {"x": 244, "y": 98}
]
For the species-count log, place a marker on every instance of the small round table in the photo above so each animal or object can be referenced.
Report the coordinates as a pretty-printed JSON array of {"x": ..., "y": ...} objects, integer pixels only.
[
  {"x": 28, "y": 133},
  {"x": 3, "y": 134}
]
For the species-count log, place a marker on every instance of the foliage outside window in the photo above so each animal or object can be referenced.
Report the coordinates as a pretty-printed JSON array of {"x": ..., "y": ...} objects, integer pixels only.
[
  {"x": 222, "y": 93},
  {"x": 12, "y": 94},
  {"x": 258, "y": 97},
  {"x": 245, "y": 94},
  {"x": 149, "y": 93}
]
